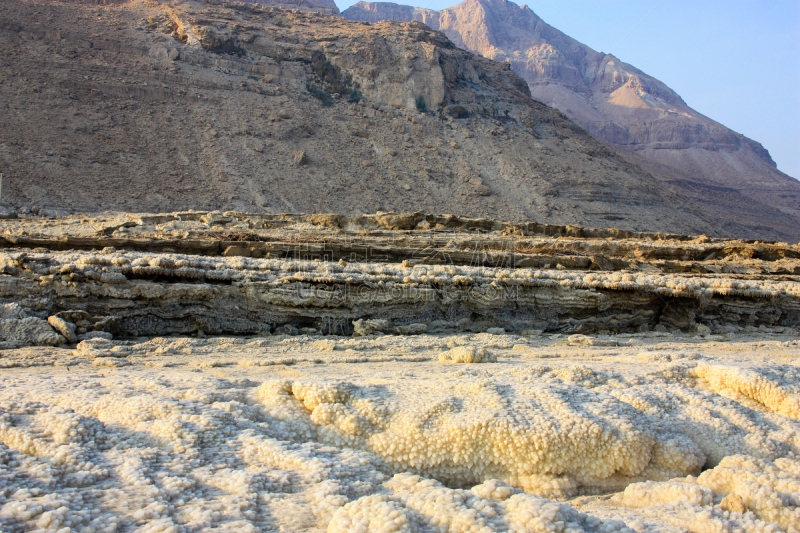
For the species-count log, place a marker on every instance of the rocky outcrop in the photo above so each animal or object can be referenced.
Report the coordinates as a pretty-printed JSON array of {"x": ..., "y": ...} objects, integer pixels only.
[
  {"x": 28, "y": 331},
  {"x": 326, "y": 7},
  {"x": 406, "y": 281},
  {"x": 183, "y": 105},
  {"x": 701, "y": 159}
]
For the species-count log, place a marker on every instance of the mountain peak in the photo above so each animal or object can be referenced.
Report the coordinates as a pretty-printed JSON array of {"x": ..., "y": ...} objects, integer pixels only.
[{"x": 615, "y": 101}]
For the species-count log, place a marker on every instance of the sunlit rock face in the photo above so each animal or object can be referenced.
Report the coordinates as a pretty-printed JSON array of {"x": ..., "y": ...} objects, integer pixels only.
[
  {"x": 619, "y": 103},
  {"x": 264, "y": 108},
  {"x": 246, "y": 274},
  {"x": 326, "y": 7}
]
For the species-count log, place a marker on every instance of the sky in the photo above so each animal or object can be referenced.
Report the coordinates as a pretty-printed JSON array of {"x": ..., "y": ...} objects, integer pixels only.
[{"x": 735, "y": 61}]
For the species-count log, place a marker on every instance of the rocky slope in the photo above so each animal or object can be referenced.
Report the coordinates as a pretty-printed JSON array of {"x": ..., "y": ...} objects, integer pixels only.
[
  {"x": 167, "y": 105},
  {"x": 700, "y": 158},
  {"x": 326, "y": 7}
]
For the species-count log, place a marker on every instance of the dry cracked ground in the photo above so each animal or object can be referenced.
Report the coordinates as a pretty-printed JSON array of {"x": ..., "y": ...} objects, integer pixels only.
[{"x": 207, "y": 371}]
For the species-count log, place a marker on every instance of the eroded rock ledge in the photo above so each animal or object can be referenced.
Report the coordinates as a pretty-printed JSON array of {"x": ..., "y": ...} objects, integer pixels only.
[{"x": 234, "y": 273}]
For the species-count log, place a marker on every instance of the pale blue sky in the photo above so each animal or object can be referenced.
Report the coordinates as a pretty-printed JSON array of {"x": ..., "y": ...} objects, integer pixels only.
[{"x": 735, "y": 61}]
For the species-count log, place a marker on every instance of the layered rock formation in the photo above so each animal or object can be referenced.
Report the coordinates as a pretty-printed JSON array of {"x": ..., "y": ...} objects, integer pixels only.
[
  {"x": 732, "y": 176},
  {"x": 327, "y": 7},
  {"x": 409, "y": 274}
]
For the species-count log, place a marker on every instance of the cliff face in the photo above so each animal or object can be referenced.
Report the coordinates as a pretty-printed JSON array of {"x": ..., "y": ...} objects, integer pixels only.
[
  {"x": 216, "y": 105},
  {"x": 700, "y": 158},
  {"x": 326, "y": 7},
  {"x": 244, "y": 273}
]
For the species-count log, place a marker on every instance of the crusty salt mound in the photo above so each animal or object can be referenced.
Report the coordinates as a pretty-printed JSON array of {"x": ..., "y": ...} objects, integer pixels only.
[
  {"x": 468, "y": 354},
  {"x": 412, "y": 503},
  {"x": 178, "y": 435},
  {"x": 548, "y": 440}
]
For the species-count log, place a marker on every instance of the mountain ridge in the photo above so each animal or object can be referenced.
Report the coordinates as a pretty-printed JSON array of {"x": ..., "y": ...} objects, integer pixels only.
[
  {"x": 157, "y": 105},
  {"x": 613, "y": 100},
  {"x": 184, "y": 104}
]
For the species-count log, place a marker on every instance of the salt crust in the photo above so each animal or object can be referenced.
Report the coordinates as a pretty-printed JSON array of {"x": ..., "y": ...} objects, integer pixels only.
[
  {"x": 411, "y": 503},
  {"x": 777, "y": 394},
  {"x": 173, "y": 450},
  {"x": 113, "y": 268},
  {"x": 767, "y": 495},
  {"x": 468, "y": 354}
]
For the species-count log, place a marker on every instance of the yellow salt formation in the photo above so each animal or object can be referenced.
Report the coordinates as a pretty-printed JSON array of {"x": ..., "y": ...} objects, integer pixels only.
[
  {"x": 770, "y": 489},
  {"x": 776, "y": 393},
  {"x": 410, "y": 503},
  {"x": 403, "y": 446},
  {"x": 719, "y": 420},
  {"x": 651, "y": 493},
  {"x": 548, "y": 440},
  {"x": 740, "y": 494},
  {"x": 467, "y": 354}
]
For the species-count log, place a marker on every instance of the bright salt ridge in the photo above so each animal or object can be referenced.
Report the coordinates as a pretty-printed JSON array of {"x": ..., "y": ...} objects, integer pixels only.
[{"x": 377, "y": 434}]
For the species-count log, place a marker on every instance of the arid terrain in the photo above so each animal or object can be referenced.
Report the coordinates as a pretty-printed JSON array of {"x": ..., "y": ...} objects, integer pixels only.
[
  {"x": 166, "y": 105},
  {"x": 732, "y": 177},
  {"x": 210, "y": 371},
  {"x": 191, "y": 342}
]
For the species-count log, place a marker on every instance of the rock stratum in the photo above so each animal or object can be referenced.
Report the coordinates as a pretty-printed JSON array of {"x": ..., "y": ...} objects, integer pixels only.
[
  {"x": 732, "y": 176},
  {"x": 165, "y": 105},
  {"x": 227, "y": 371},
  {"x": 248, "y": 274},
  {"x": 326, "y": 7}
]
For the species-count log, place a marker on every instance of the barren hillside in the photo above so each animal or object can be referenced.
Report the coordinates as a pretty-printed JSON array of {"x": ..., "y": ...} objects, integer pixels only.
[
  {"x": 733, "y": 177},
  {"x": 167, "y": 105}
]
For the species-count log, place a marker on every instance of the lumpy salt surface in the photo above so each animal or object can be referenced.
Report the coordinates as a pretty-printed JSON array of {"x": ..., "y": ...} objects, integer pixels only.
[{"x": 442, "y": 434}]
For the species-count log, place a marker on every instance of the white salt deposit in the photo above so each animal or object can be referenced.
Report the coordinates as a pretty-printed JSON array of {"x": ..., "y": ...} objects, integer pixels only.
[
  {"x": 226, "y": 434},
  {"x": 468, "y": 354},
  {"x": 114, "y": 267}
]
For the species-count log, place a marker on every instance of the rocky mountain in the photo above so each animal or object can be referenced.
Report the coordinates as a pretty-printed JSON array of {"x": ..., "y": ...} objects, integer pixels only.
[
  {"x": 732, "y": 176},
  {"x": 160, "y": 105},
  {"x": 327, "y": 7}
]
